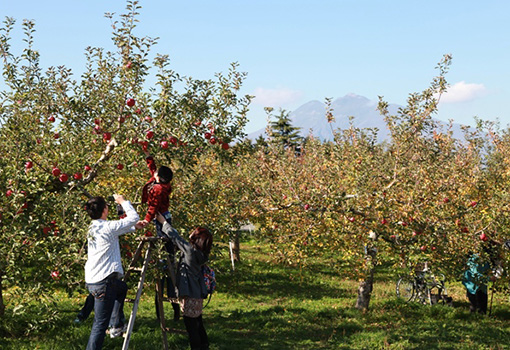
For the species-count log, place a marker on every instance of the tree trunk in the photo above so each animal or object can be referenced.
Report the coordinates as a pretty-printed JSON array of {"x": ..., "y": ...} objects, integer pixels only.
[
  {"x": 2, "y": 305},
  {"x": 365, "y": 292},
  {"x": 235, "y": 246},
  {"x": 366, "y": 286}
]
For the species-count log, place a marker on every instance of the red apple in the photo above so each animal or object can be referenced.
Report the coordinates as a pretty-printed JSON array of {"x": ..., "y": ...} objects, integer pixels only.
[
  {"x": 138, "y": 111},
  {"x": 423, "y": 248},
  {"x": 465, "y": 230},
  {"x": 483, "y": 236},
  {"x": 97, "y": 121},
  {"x": 130, "y": 102},
  {"x": 393, "y": 237},
  {"x": 87, "y": 168},
  {"x": 197, "y": 123},
  {"x": 121, "y": 120},
  {"x": 173, "y": 140},
  {"x": 56, "y": 135},
  {"x": 150, "y": 134},
  {"x": 225, "y": 146},
  {"x": 46, "y": 230},
  {"x": 307, "y": 206},
  {"x": 8, "y": 193},
  {"x": 384, "y": 221},
  {"x": 473, "y": 203},
  {"x": 148, "y": 119},
  {"x": 55, "y": 275},
  {"x": 128, "y": 65},
  {"x": 107, "y": 136},
  {"x": 164, "y": 144},
  {"x": 446, "y": 200},
  {"x": 351, "y": 219},
  {"x": 51, "y": 119},
  {"x": 212, "y": 141},
  {"x": 63, "y": 178},
  {"x": 29, "y": 165},
  {"x": 77, "y": 176},
  {"x": 120, "y": 166},
  {"x": 55, "y": 171},
  {"x": 207, "y": 135}
]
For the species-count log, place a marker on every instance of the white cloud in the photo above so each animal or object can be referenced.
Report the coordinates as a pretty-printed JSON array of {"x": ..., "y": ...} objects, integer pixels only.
[
  {"x": 463, "y": 92},
  {"x": 276, "y": 97}
]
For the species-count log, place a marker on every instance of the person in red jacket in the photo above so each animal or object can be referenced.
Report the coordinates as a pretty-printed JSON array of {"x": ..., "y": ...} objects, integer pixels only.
[{"x": 156, "y": 193}]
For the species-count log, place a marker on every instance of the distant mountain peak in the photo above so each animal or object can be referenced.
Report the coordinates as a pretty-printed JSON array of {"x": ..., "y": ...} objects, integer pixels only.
[{"x": 312, "y": 116}]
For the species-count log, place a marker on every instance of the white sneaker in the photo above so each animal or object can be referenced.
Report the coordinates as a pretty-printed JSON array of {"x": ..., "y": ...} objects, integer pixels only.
[{"x": 117, "y": 332}]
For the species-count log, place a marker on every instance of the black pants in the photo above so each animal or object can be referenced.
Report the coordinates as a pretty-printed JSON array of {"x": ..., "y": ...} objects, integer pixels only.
[
  {"x": 478, "y": 301},
  {"x": 198, "y": 339}
]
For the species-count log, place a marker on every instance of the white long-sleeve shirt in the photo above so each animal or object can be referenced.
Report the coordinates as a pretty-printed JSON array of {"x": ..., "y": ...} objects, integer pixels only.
[{"x": 103, "y": 256}]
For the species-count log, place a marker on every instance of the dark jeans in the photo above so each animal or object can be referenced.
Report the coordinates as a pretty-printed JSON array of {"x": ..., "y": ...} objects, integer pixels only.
[
  {"x": 87, "y": 308},
  {"x": 109, "y": 296},
  {"x": 478, "y": 301},
  {"x": 196, "y": 333}
]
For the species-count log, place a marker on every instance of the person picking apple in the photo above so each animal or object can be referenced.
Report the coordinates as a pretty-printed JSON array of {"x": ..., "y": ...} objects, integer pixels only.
[
  {"x": 156, "y": 193},
  {"x": 103, "y": 269}
]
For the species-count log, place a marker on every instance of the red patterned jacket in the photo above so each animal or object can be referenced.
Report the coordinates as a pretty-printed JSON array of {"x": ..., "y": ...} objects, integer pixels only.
[{"x": 156, "y": 195}]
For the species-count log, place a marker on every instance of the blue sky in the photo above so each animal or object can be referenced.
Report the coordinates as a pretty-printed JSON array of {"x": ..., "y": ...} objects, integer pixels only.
[{"x": 295, "y": 51}]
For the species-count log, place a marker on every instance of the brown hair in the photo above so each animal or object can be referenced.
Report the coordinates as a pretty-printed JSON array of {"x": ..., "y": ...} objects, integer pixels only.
[{"x": 201, "y": 239}]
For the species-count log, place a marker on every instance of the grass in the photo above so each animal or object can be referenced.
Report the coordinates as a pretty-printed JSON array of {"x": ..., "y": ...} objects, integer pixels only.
[{"x": 263, "y": 305}]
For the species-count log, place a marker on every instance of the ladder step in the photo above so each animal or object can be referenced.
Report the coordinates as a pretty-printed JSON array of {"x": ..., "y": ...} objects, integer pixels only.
[{"x": 135, "y": 269}]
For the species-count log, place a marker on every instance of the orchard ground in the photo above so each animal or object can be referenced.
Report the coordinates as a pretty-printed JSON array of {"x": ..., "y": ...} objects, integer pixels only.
[{"x": 264, "y": 305}]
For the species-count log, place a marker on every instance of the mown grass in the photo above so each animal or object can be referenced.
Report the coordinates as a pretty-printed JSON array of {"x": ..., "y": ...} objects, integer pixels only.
[{"x": 263, "y": 305}]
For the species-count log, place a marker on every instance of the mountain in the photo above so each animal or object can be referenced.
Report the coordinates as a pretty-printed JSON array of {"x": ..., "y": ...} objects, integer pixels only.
[{"x": 311, "y": 117}]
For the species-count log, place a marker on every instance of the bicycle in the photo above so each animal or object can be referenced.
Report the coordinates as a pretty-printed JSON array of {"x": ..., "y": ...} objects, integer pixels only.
[{"x": 423, "y": 287}]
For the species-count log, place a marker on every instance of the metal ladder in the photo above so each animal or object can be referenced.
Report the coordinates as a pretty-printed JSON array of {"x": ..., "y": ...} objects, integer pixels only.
[{"x": 143, "y": 271}]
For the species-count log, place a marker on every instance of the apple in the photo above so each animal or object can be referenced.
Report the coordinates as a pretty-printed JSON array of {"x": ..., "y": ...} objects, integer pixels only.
[
  {"x": 433, "y": 248},
  {"x": 148, "y": 234},
  {"x": 212, "y": 141},
  {"x": 393, "y": 237},
  {"x": 8, "y": 193},
  {"x": 150, "y": 134},
  {"x": 87, "y": 168},
  {"x": 225, "y": 146},
  {"x": 207, "y": 135},
  {"x": 465, "y": 230},
  {"x": 446, "y": 200},
  {"x": 77, "y": 176},
  {"x": 130, "y": 102},
  {"x": 483, "y": 237},
  {"x": 423, "y": 248},
  {"x": 351, "y": 219},
  {"x": 138, "y": 111},
  {"x": 197, "y": 123},
  {"x": 97, "y": 121},
  {"x": 46, "y": 230},
  {"x": 384, "y": 221},
  {"x": 415, "y": 233},
  {"x": 148, "y": 119},
  {"x": 173, "y": 140},
  {"x": 120, "y": 166},
  {"x": 107, "y": 136},
  {"x": 51, "y": 119},
  {"x": 55, "y": 171},
  {"x": 128, "y": 65},
  {"x": 55, "y": 275},
  {"x": 63, "y": 178},
  {"x": 307, "y": 206},
  {"x": 29, "y": 165},
  {"x": 473, "y": 203},
  {"x": 56, "y": 135},
  {"x": 121, "y": 120},
  {"x": 164, "y": 144}
]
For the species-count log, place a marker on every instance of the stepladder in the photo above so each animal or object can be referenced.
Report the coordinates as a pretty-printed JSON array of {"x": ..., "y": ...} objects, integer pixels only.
[{"x": 148, "y": 246}]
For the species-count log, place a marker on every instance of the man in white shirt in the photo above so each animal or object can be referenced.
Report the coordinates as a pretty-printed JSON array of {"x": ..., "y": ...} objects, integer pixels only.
[{"x": 103, "y": 269}]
